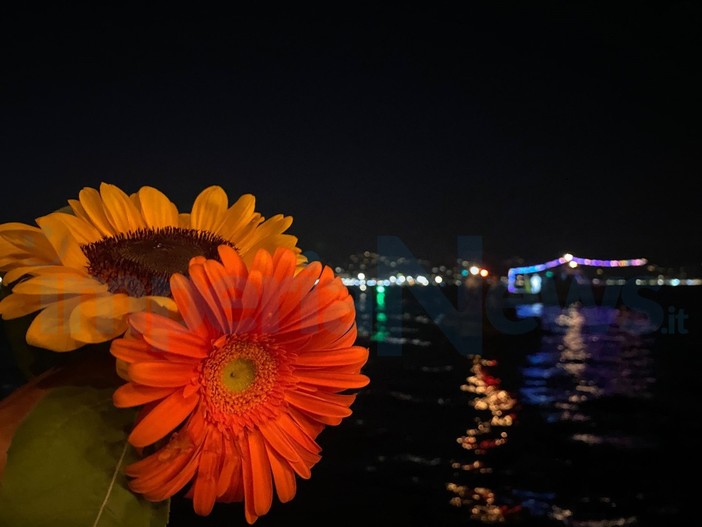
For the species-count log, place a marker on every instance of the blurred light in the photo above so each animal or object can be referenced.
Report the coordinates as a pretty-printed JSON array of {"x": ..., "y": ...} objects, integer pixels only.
[
  {"x": 572, "y": 264},
  {"x": 361, "y": 276},
  {"x": 363, "y": 287},
  {"x": 464, "y": 272},
  {"x": 380, "y": 289},
  {"x": 438, "y": 279},
  {"x": 483, "y": 272},
  {"x": 474, "y": 269},
  {"x": 514, "y": 272}
]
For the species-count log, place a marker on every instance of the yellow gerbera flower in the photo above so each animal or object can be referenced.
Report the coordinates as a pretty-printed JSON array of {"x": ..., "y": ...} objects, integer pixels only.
[{"x": 114, "y": 256}]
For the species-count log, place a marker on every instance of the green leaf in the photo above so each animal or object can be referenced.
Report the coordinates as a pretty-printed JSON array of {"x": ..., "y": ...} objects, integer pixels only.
[{"x": 66, "y": 462}]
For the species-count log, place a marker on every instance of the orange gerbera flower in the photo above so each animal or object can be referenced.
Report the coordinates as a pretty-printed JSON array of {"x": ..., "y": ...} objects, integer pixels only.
[
  {"x": 114, "y": 256},
  {"x": 247, "y": 383}
]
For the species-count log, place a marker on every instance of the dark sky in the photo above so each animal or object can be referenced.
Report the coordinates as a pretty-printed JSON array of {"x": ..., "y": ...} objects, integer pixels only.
[{"x": 564, "y": 126}]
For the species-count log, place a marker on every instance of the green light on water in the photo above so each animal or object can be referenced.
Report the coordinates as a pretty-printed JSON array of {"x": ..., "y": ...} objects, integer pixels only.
[
  {"x": 380, "y": 289},
  {"x": 380, "y": 300}
]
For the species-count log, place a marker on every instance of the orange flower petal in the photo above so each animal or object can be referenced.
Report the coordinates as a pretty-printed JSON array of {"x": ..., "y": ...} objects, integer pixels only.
[
  {"x": 162, "y": 419},
  {"x": 279, "y": 441},
  {"x": 338, "y": 357},
  {"x": 245, "y": 319},
  {"x": 162, "y": 374},
  {"x": 190, "y": 305},
  {"x": 209, "y": 279},
  {"x": 232, "y": 262},
  {"x": 341, "y": 381},
  {"x": 130, "y": 395},
  {"x": 168, "y": 335},
  {"x": 228, "y": 479},
  {"x": 261, "y": 471},
  {"x": 132, "y": 350},
  {"x": 205, "y": 486},
  {"x": 283, "y": 476},
  {"x": 322, "y": 404}
]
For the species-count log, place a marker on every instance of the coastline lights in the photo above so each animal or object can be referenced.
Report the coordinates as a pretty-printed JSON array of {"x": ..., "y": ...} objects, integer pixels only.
[{"x": 572, "y": 261}]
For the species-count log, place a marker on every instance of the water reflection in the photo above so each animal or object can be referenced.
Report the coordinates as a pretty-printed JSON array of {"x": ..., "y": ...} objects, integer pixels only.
[
  {"x": 562, "y": 428},
  {"x": 494, "y": 414},
  {"x": 563, "y": 448},
  {"x": 577, "y": 367}
]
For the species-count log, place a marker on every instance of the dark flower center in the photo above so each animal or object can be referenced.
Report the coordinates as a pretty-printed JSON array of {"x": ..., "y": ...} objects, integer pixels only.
[{"x": 141, "y": 262}]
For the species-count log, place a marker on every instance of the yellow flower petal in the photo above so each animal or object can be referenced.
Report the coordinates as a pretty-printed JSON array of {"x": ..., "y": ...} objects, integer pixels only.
[
  {"x": 102, "y": 318},
  {"x": 237, "y": 217},
  {"x": 19, "y": 272},
  {"x": 60, "y": 283},
  {"x": 62, "y": 240},
  {"x": 120, "y": 210},
  {"x": 16, "y": 305},
  {"x": 161, "y": 305},
  {"x": 19, "y": 239},
  {"x": 92, "y": 204},
  {"x": 157, "y": 209},
  {"x": 50, "y": 329},
  {"x": 208, "y": 209}
]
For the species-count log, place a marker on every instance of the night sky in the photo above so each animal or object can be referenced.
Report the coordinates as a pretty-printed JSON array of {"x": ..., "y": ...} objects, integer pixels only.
[{"x": 544, "y": 129}]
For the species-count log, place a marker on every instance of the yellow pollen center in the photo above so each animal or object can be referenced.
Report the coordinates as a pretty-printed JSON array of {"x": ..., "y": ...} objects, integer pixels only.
[{"x": 239, "y": 374}]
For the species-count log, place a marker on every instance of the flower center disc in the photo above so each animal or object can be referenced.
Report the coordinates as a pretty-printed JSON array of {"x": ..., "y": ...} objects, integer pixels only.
[
  {"x": 141, "y": 262},
  {"x": 239, "y": 375}
]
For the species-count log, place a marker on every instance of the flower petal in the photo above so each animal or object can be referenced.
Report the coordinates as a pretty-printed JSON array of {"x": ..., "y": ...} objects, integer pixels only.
[
  {"x": 237, "y": 217},
  {"x": 60, "y": 283},
  {"x": 102, "y": 318},
  {"x": 120, "y": 210},
  {"x": 261, "y": 473},
  {"x": 340, "y": 357},
  {"x": 322, "y": 404},
  {"x": 190, "y": 304},
  {"x": 162, "y": 419},
  {"x": 232, "y": 262},
  {"x": 208, "y": 209},
  {"x": 15, "y": 305},
  {"x": 133, "y": 350},
  {"x": 168, "y": 335},
  {"x": 94, "y": 208},
  {"x": 130, "y": 394},
  {"x": 340, "y": 381},
  {"x": 50, "y": 328},
  {"x": 162, "y": 374},
  {"x": 62, "y": 240},
  {"x": 157, "y": 210},
  {"x": 205, "y": 486},
  {"x": 283, "y": 476}
]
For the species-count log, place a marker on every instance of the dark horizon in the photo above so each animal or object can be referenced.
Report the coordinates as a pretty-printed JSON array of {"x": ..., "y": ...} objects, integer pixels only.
[{"x": 544, "y": 129}]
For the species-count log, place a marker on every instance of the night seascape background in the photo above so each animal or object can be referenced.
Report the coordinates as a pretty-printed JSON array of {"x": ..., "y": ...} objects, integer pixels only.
[{"x": 509, "y": 193}]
